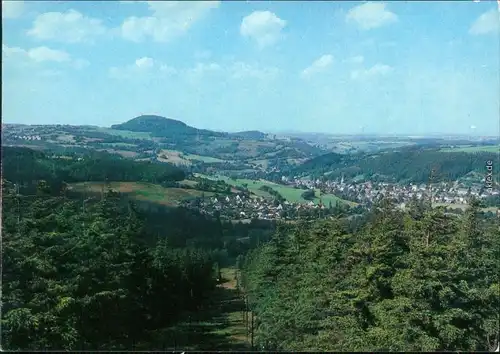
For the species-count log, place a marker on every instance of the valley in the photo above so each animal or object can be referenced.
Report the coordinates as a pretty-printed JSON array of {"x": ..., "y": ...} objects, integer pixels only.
[
  {"x": 255, "y": 177},
  {"x": 251, "y": 160},
  {"x": 213, "y": 241}
]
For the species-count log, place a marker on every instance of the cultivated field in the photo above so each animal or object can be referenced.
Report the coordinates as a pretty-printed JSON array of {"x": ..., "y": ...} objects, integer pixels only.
[
  {"x": 180, "y": 158},
  {"x": 143, "y": 191},
  {"x": 207, "y": 159}
]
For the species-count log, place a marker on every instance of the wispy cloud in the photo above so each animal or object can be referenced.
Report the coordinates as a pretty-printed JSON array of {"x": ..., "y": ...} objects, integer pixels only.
[
  {"x": 487, "y": 23},
  {"x": 242, "y": 70},
  {"x": 41, "y": 54},
  {"x": 371, "y": 15},
  {"x": 374, "y": 71},
  {"x": 319, "y": 65},
  {"x": 142, "y": 68}
]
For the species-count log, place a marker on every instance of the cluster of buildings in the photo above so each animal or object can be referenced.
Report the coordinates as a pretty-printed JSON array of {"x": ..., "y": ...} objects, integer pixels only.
[
  {"x": 368, "y": 192},
  {"x": 240, "y": 207},
  {"x": 27, "y": 137}
]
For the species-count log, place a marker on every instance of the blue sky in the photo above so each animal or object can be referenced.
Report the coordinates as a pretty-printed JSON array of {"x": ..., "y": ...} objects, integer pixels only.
[{"x": 333, "y": 67}]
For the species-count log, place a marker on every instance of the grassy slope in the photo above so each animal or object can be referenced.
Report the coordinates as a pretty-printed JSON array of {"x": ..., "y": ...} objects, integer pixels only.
[
  {"x": 187, "y": 156},
  {"x": 144, "y": 191},
  {"x": 124, "y": 133},
  {"x": 289, "y": 193}
]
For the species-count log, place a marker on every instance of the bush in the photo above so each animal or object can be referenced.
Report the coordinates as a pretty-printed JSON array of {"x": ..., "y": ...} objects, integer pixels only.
[{"x": 308, "y": 194}]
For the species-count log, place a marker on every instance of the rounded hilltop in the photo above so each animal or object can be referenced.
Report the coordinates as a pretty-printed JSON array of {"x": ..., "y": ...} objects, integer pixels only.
[{"x": 150, "y": 123}]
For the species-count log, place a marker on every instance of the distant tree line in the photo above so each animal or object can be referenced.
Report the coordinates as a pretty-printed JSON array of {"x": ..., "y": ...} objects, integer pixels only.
[{"x": 408, "y": 165}]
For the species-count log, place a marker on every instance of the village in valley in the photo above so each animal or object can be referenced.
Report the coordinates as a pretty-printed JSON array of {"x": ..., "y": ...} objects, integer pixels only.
[
  {"x": 368, "y": 192},
  {"x": 355, "y": 197},
  {"x": 241, "y": 207}
]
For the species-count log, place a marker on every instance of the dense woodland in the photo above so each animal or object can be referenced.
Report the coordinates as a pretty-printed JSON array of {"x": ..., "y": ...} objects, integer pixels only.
[
  {"x": 25, "y": 166},
  {"x": 208, "y": 185},
  {"x": 420, "y": 280},
  {"x": 85, "y": 278},
  {"x": 104, "y": 273},
  {"x": 407, "y": 165}
]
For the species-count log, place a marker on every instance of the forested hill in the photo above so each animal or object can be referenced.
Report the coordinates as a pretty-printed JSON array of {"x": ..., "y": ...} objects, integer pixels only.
[
  {"x": 407, "y": 165},
  {"x": 99, "y": 273},
  {"x": 23, "y": 166},
  {"x": 415, "y": 280},
  {"x": 163, "y": 127}
]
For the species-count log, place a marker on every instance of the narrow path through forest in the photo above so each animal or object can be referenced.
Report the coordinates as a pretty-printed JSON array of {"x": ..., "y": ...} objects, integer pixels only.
[{"x": 220, "y": 325}]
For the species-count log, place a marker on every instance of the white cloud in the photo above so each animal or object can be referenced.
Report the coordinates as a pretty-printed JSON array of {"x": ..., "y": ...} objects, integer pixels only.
[
  {"x": 262, "y": 26},
  {"x": 487, "y": 23},
  {"x": 241, "y": 70},
  {"x": 236, "y": 71},
  {"x": 70, "y": 27},
  {"x": 202, "y": 68},
  {"x": 149, "y": 68},
  {"x": 376, "y": 70},
  {"x": 318, "y": 65},
  {"x": 42, "y": 54},
  {"x": 38, "y": 54},
  {"x": 144, "y": 62},
  {"x": 12, "y": 9},
  {"x": 169, "y": 20},
  {"x": 144, "y": 67},
  {"x": 46, "y": 54},
  {"x": 371, "y": 15},
  {"x": 8, "y": 52}
]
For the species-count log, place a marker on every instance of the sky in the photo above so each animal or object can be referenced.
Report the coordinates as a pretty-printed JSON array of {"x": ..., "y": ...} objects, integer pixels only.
[{"x": 331, "y": 67}]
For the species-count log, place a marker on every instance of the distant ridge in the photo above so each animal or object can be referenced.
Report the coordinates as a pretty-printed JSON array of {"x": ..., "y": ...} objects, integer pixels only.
[
  {"x": 250, "y": 134},
  {"x": 163, "y": 127}
]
